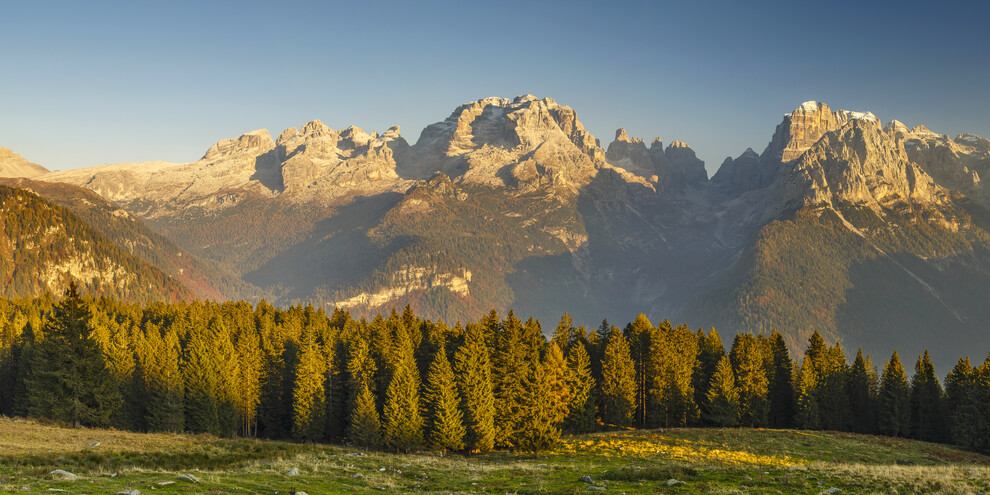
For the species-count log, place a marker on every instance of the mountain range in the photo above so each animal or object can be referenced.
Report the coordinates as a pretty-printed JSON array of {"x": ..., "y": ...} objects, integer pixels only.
[{"x": 869, "y": 233}]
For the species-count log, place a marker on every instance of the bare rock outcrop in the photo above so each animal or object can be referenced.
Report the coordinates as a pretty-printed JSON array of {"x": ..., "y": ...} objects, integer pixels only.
[
  {"x": 14, "y": 165},
  {"x": 526, "y": 143}
]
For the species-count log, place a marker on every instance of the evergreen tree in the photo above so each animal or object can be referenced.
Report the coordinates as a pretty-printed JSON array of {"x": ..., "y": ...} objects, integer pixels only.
[
  {"x": 200, "y": 377},
  {"x": 781, "y": 383},
  {"x": 675, "y": 355},
  {"x": 471, "y": 364},
  {"x": 723, "y": 397},
  {"x": 539, "y": 428},
  {"x": 308, "y": 393},
  {"x": 894, "y": 407},
  {"x": 927, "y": 420},
  {"x": 832, "y": 396},
  {"x": 972, "y": 419},
  {"x": 642, "y": 337},
  {"x": 365, "y": 428},
  {"x": 807, "y": 410},
  {"x": 164, "y": 411},
  {"x": 618, "y": 385},
  {"x": 747, "y": 358},
  {"x": 582, "y": 409},
  {"x": 403, "y": 420},
  {"x": 444, "y": 417},
  {"x": 861, "y": 390},
  {"x": 69, "y": 379},
  {"x": 710, "y": 352},
  {"x": 251, "y": 362},
  {"x": 510, "y": 362},
  {"x": 958, "y": 384}
]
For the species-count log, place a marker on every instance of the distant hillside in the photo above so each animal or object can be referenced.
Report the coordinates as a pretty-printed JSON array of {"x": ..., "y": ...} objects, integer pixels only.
[
  {"x": 43, "y": 246},
  {"x": 133, "y": 236}
]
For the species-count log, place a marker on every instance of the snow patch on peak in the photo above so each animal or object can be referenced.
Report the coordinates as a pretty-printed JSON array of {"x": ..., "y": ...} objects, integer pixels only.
[
  {"x": 865, "y": 116},
  {"x": 810, "y": 106}
]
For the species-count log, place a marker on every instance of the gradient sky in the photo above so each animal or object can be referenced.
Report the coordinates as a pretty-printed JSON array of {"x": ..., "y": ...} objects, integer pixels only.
[{"x": 87, "y": 83}]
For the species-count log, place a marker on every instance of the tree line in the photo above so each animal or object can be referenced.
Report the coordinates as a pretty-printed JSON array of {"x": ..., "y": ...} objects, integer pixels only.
[{"x": 401, "y": 382}]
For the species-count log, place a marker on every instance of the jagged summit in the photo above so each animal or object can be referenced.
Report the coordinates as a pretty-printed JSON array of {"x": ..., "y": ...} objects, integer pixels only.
[{"x": 257, "y": 141}]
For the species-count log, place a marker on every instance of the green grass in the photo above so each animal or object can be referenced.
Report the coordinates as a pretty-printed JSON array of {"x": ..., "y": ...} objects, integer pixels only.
[{"x": 639, "y": 461}]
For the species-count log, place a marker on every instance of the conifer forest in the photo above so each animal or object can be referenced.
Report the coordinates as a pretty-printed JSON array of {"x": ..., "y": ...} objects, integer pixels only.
[{"x": 402, "y": 383}]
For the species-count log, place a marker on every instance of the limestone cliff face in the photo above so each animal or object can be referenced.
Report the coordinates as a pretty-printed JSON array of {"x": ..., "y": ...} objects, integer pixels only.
[
  {"x": 743, "y": 173},
  {"x": 858, "y": 163},
  {"x": 674, "y": 168},
  {"x": 959, "y": 163},
  {"x": 14, "y": 165},
  {"x": 630, "y": 154},
  {"x": 322, "y": 162},
  {"x": 682, "y": 166},
  {"x": 525, "y": 143}
]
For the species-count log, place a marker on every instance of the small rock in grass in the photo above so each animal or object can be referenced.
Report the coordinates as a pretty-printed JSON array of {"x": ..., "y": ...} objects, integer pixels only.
[
  {"x": 94, "y": 444},
  {"x": 166, "y": 483},
  {"x": 61, "y": 474},
  {"x": 129, "y": 492},
  {"x": 188, "y": 477},
  {"x": 381, "y": 469},
  {"x": 357, "y": 476},
  {"x": 973, "y": 472},
  {"x": 747, "y": 477},
  {"x": 357, "y": 454},
  {"x": 300, "y": 493},
  {"x": 831, "y": 490},
  {"x": 587, "y": 479},
  {"x": 674, "y": 482},
  {"x": 292, "y": 472},
  {"x": 595, "y": 489}
]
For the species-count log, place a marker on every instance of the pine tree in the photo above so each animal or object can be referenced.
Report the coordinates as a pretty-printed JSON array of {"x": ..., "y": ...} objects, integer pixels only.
[
  {"x": 471, "y": 364},
  {"x": 618, "y": 385},
  {"x": 781, "y": 383},
  {"x": 403, "y": 420},
  {"x": 308, "y": 393},
  {"x": 723, "y": 397},
  {"x": 747, "y": 358},
  {"x": 444, "y": 417},
  {"x": 833, "y": 398},
  {"x": 642, "y": 338},
  {"x": 894, "y": 407},
  {"x": 972, "y": 419},
  {"x": 69, "y": 379},
  {"x": 582, "y": 409},
  {"x": 675, "y": 355},
  {"x": 927, "y": 420},
  {"x": 862, "y": 404},
  {"x": 251, "y": 361},
  {"x": 807, "y": 411}
]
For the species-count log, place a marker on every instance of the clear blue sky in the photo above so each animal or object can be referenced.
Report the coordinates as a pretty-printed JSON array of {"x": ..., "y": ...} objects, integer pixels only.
[{"x": 86, "y": 83}]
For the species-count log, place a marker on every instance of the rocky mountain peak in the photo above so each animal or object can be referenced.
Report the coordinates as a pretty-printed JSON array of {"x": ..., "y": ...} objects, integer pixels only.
[
  {"x": 630, "y": 154},
  {"x": 657, "y": 144},
  {"x": 255, "y": 142},
  {"x": 860, "y": 164},
  {"x": 622, "y": 136},
  {"x": 14, "y": 165}
]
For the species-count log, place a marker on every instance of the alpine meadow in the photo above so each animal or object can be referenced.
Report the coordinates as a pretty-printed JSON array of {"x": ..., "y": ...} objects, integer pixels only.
[{"x": 204, "y": 288}]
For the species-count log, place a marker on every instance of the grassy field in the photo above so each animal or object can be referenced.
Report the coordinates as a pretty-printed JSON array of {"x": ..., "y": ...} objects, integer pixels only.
[{"x": 641, "y": 461}]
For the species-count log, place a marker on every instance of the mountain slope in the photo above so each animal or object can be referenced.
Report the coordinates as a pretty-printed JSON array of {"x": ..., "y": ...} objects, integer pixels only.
[
  {"x": 130, "y": 234},
  {"x": 14, "y": 165},
  {"x": 44, "y": 246}
]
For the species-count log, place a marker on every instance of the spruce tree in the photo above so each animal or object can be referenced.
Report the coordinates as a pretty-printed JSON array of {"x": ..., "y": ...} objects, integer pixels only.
[
  {"x": 642, "y": 336},
  {"x": 308, "y": 393},
  {"x": 747, "y": 359},
  {"x": 164, "y": 411},
  {"x": 807, "y": 414},
  {"x": 710, "y": 352},
  {"x": 972, "y": 419},
  {"x": 510, "y": 361},
  {"x": 927, "y": 420},
  {"x": 445, "y": 422},
  {"x": 539, "y": 428},
  {"x": 781, "y": 383},
  {"x": 365, "y": 427},
  {"x": 69, "y": 379},
  {"x": 723, "y": 398},
  {"x": 471, "y": 364},
  {"x": 200, "y": 377},
  {"x": 832, "y": 395},
  {"x": 894, "y": 402},
  {"x": 957, "y": 388},
  {"x": 582, "y": 408},
  {"x": 862, "y": 405},
  {"x": 403, "y": 419},
  {"x": 618, "y": 386}
]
